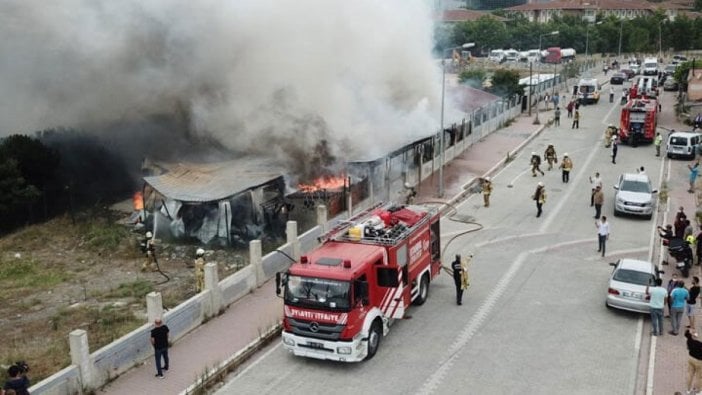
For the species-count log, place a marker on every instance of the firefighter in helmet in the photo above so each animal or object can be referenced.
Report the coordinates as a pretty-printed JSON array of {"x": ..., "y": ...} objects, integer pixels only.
[
  {"x": 609, "y": 132},
  {"x": 535, "y": 163},
  {"x": 149, "y": 250},
  {"x": 550, "y": 156},
  {"x": 199, "y": 270},
  {"x": 459, "y": 269},
  {"x": 487, "y": 190}
]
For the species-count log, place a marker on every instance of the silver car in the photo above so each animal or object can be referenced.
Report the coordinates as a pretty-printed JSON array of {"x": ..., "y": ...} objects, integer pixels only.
[
  {"x": 627, "y": 285},
  {"x": 634, "y": 195}
]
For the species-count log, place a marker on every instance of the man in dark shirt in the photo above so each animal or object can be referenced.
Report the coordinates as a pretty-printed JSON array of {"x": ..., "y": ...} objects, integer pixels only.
[
  {"x": 159, "y": 339},
  {"x": 691, "y": 305},
  {"x": 458, "y": 278},
  {"x": 694, "y": 363},
  {"x": 17, "y": 382}
]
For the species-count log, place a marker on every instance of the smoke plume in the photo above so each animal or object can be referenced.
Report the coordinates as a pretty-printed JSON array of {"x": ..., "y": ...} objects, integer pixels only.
[{"x": 286, "y": 79}]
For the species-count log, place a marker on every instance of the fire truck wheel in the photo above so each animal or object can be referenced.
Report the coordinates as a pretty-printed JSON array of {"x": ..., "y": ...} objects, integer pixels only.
[
  {"x": 423, "y": 291},
  {"x": 374, "y": 336}
]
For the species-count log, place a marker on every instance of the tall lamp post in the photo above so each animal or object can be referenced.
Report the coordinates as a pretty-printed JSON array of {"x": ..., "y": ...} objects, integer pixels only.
[
  {"x": 587, "y": 38},
  {"x": 621, "y": 26},
  {"x": 553, "y": 33},
  {"x": 660, "y": 42},
  {"x": 441, "y": 131}
]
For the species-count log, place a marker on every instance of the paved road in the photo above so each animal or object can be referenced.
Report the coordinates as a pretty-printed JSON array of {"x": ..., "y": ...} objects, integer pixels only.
[{"x": 534, "y": 319}]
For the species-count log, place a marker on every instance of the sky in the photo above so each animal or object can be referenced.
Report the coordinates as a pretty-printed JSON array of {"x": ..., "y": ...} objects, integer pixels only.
[{"x": 260, "y": 76}]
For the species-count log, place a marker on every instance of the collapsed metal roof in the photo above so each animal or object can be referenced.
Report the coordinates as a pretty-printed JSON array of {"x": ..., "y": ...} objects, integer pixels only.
[{"x": 197, "y": 182}]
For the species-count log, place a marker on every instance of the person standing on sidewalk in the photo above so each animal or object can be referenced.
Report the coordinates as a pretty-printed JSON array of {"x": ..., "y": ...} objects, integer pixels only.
[
  {"x": 677, "y": 306},
  {"x": 690, "y": 307},
  {"x": 658, "y": 296},
  {"x": 535, "y": 164},
  {"x": 694, "y": 363},
  {"x": 566, "y": 167},
  {"x": 595, "y": 182},
  {"x": 576, "y": 120},
  {"x": 670, "y": 287},
  {"x": 159, "y": 339},
  {"x": 694, "y": 172},
  {"x": 487, "y": 190},
  {"x": 602, "y": 234},
  {"x": 657, "y": 143},
  {"x": 557, "y": 117},
  {"x": 598, "y": 199},
  {"x": 540, "y": 198}
]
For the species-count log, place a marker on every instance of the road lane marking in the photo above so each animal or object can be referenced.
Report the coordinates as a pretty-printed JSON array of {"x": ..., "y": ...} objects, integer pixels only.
[{"x": 651, "y": 366}]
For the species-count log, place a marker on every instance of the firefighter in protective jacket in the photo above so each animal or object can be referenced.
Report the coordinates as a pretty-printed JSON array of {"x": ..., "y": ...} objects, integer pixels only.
[
  {"x": 535, "y": 163},
  {"x": 487, "y": 190},
  {"x": 150, "y": 251},
  {"x": 460, "y": 277},
  {"x": 199, "y": 270},
  {"x": 550, "y": 156}
]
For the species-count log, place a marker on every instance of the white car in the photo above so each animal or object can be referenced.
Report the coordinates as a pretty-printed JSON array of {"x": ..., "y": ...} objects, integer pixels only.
[
  {"x": 634, "y": 195},
  {"x": 683, "y": 144},
  {"x": 627, "y": 285}
]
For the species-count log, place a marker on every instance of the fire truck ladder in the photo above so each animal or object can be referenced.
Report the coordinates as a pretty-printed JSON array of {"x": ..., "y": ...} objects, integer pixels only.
[{"x": 345, "y": 224}]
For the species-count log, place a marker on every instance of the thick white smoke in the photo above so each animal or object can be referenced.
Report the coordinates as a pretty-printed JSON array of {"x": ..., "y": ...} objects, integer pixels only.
[{"x": 259, "y": 75}]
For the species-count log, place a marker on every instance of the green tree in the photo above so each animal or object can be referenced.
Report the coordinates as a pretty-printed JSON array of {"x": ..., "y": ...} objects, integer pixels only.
[
  {"x": 486, "y": 32},
  {"x": 506, "y": 83},
  {"x": 37, "y": 163},
  {"x": 472, "y": 77},
  {"x": 14, "y": 191}
]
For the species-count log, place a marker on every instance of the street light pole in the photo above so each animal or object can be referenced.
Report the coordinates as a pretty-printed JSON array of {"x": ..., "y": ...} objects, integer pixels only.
[
  {"x": 660, "y": 44},
  {"x": 441, "y": 131},
  {"x": 587, "y": 37},
  {"x": 536, "y": 119},
  {"x": 621, "y": 26}
]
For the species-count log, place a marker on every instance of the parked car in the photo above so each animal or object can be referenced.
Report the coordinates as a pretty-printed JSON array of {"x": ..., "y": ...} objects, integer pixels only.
[
  {"x": 618, "y": 78},
  {"x": 627, "y": 285},
  {"x": 629, "y": 72},
  {"x": 670, "y": 69},
  {"x": 684, "y": 144},
  {"x": 635, "y": 68},
  {"x": 634, "y": 195},
  {"x": 670, "y": 84}
]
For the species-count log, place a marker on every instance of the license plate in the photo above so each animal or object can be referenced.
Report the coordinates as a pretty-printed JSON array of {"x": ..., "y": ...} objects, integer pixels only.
[{"x": 315, "y": 345}]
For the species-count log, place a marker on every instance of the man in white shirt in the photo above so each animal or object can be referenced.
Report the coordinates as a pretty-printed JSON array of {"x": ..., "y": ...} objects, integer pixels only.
[
  {"x": 602, "y": 234},
  {"x": 658, "y": 296},
  {"x": 595, "y": 182}
]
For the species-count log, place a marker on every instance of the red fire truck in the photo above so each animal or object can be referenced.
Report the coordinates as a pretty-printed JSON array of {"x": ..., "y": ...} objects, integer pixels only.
[
  {"x": 638, "y": 121},
  {"x": 341, "y": 297}
]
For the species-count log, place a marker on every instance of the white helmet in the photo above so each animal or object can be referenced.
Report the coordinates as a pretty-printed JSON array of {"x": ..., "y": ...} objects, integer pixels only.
[
  {"x": 566, "y": 154},
  {"x": 540, "y": 184},
  {"x": 533, "y": 153},
  {"x": 487, "y": 178},
  {"x": 149, "y": 235},
  {"x": 200, "y": 252}
]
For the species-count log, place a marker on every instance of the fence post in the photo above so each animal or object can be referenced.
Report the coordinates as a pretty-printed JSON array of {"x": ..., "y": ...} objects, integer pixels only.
[
  {"x": 80, "y": 356},
  {"x": 291, "y": 232},
  {"x": 256, "y": 259},
  {"x": 212, "y": 285},
  {"x": 154, "y": 306},
  {"x": 322, "y": 217}
]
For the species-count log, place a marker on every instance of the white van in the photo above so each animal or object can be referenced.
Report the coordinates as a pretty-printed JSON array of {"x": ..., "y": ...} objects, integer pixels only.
[
  {"x": 683, "y": 144},
  {"x": 497, "y": 56},
  {"x": 650, "y": 66},
  {"x": 588, "y": 91},
  {"x": 511, "y": 55}
]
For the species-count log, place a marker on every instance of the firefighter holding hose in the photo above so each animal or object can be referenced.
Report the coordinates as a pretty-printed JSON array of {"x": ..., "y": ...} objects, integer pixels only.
[{"x": 150, "y": 251}]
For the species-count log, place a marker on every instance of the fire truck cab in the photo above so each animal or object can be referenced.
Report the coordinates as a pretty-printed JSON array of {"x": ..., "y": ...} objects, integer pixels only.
[
  {"x": 341, "y": 298},
  {"x": 638, "y": 122}
]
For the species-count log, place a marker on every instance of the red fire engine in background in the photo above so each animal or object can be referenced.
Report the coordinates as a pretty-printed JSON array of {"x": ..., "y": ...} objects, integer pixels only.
[
  {"x": 638, "y": 121},
  {"x": 341, "y": 297}
]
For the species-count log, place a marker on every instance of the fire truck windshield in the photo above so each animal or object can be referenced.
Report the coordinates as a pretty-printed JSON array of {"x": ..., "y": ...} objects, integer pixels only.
[{"x": 317, "y": 292}]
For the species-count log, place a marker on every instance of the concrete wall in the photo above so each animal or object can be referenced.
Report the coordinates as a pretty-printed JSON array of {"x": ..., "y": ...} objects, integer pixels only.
[{"x": 114, "y": 359}]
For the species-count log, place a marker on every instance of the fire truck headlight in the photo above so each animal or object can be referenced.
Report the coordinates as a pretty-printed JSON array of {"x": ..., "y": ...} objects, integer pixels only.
[
  {"x": 288, "y": 342},
  {"x": 343, "y": 350}
]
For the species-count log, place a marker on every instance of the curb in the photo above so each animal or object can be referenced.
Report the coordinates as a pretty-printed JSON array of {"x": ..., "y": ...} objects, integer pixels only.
[{"x": 218, "y": 373}]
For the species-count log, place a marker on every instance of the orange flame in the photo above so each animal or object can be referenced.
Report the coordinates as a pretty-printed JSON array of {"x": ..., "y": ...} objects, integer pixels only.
[
  {"x": 324, "y": 182},
  {"x": 138, "y": 201}
]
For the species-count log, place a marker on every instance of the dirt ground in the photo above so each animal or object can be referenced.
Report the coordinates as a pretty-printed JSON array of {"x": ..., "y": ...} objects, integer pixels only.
[{"x": 84, "y": 273}]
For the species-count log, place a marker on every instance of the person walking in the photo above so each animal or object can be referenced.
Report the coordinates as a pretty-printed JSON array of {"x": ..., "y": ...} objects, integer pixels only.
[
  {"x": 159, "y": 339},
  {"x": 657, "y": 298},
  {"x": 598, "y": 199},
  {"x": 657, "y": 143},
  {"x": 595, "y": 182},
  {"x": 199, "y": 270},
  {"x": 576, "y": 120},
  {"x": 458, "y": 275},
  {"x": 690, "y": 307},
  {"x": 557, "y": 117},
  {"x": 694, "y": 172},
  {"x": 550, "y": 156},
  {"x": 540, "y": 198},
  {"x": 487, "y": 190},
  {"x": 611, "y": 94},
  {"x": 602, "y": 234},
  {"x": 694, "y": 363},
  {"x": 615, "y": 146},
  {"x": 535, "y": 164},
  {"x": 566, "y": 167},
  {"x": 569, "y": 108},
  {"x": 677, "y": 306}
]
